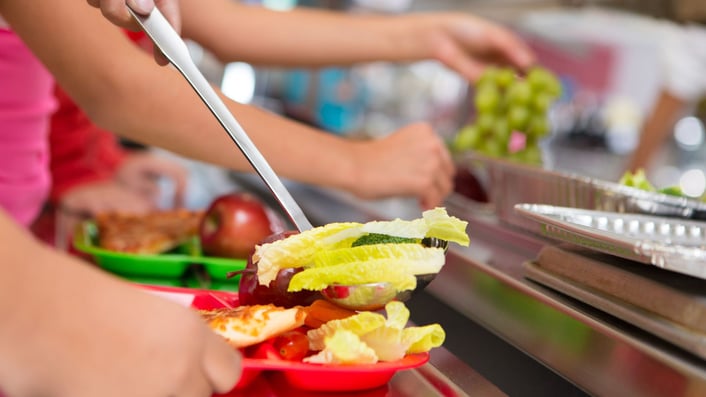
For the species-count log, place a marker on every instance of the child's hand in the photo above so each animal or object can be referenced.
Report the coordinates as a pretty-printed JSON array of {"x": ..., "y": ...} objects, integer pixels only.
[{"x": 116, "y": 11}]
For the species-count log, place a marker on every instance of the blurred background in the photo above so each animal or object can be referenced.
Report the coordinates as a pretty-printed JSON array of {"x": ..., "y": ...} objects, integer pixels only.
[{"x": 606, "y": 53}]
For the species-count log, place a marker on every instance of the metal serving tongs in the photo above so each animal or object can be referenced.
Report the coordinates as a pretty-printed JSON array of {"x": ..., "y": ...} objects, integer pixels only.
[{"x": 175, "y": 50}]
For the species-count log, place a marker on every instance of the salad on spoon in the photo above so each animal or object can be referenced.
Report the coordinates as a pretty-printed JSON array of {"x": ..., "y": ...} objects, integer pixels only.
[{"x": 359, "y": 266}]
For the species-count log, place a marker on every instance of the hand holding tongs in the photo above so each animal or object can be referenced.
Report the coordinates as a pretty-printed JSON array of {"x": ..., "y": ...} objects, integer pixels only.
[{"x": 175, "y": 50}]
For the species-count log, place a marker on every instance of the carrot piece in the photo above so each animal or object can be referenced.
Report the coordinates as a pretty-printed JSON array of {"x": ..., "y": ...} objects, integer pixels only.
[{"x": 322, "y": 311}]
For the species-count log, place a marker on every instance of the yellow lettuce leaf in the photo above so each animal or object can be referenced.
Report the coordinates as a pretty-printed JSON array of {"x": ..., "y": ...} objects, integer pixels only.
[
  {"x": 359, "y": 324},
  {"x": 298, "y": 250},
  {"x": 372, "y": 335},
  {"x": 387, "y": 343},
  {"x": 372, "y": 271},
  {"x": 397, "y": 314},
  {"x": 309, "y": 247},
  {"x": 424, "y": 338},
  {"x": 343, "y": 347}
]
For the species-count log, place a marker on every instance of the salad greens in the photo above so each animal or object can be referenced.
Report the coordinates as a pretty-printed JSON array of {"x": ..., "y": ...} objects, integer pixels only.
[
  {"x": 369, "y": 337},
  {"x": 328, "y": 255},
  {"x": 639, "y": 180}
]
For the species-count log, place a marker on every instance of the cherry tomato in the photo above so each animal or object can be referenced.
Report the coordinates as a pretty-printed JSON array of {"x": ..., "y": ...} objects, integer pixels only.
[{"x": 292, "y": 345}]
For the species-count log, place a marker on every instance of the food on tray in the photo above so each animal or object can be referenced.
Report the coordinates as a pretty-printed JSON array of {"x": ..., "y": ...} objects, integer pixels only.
[
  {"x": 369, "y": 337},
  {"x": 511, "y": 114},
  {"x": 150, "y": 233},
  {"x": 355, "y": 253},
  {"x": 247, "y": 325},
  {"x": 234, "y": 223},
  {"x": 639, "y": 180},
  {"x": 322, "y": 311},
  {"x": 346, "y": 337},
  {"x": 348, "y": 253},
  {"x": 229, "y": 228},
  {"x": 252, "y": 292},
  {"x": 291, "y": 345}
]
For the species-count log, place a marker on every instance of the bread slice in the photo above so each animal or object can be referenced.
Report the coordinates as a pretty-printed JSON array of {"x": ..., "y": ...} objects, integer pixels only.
[{"x": 247, "y": 325}]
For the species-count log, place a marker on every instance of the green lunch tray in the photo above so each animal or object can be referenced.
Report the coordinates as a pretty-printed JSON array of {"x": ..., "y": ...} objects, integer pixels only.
[{"x": 175, "y": 264}]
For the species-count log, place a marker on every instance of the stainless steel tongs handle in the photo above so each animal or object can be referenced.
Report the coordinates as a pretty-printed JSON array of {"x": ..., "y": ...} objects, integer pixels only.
[{"x": 174, "y": 48}]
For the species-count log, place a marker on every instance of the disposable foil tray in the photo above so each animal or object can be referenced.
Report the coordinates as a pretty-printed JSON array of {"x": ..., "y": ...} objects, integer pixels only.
[
  {"x": 509, "y": 183},
  {"x": 672, "y": 244}
]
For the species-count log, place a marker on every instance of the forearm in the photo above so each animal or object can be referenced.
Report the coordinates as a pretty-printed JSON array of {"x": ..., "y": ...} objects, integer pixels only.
[
  {"x": 35, "y": 282},
  {"x": 297, "y": 151},
  {"x": 16, "y": 270},
  {"x": 656, "y": 129},
  {"x": 125, "y": 92},
  {"x": 68, "y": 328},
  {"x": 305, "y": 36},
  {"x": 20, "y": 262}
]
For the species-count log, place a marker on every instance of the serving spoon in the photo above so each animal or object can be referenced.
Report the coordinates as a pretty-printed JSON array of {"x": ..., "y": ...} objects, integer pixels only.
[
  {"x": 174, "y": 49},
  {"x": 374, "y": 296},
  {"x": 371, "y": 296}
]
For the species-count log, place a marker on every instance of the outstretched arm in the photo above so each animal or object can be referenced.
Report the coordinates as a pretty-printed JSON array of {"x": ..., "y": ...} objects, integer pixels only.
[
  {"x": 311, "y": 37},
  {"x": 656, "y": 129},
  {"x": 123, "y": 90}
]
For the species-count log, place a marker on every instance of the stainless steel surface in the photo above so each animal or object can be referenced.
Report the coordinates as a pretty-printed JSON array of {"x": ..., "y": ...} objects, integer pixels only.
[
  {"x": 509, "y": 183},
  {"x": 485, "y": 282},
  {"x": 445, "y": 376},
  {"x": 446, "y": 369},
  {"x": 683, "y": 337},
  {"x": 671, "y": 244},
  {"x": 678, "y": 298},
  {"x": 174, "y": 48}
]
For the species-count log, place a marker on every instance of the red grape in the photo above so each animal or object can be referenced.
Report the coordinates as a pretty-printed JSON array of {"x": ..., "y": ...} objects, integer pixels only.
[{"x": 251, "y": 292}]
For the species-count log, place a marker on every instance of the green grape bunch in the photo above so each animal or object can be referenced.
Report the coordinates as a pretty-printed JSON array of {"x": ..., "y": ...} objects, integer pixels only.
[{"x": 511, "y": 114}]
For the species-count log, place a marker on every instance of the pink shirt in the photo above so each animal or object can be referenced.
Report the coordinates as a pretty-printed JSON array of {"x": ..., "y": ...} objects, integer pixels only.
[{"x": 26, "y": 103}]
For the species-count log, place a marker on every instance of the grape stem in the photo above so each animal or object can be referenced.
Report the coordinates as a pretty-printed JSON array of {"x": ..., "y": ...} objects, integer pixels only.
[{"x": 239, "y": 272}]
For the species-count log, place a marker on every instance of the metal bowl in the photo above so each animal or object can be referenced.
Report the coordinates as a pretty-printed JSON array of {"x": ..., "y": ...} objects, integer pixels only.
[{"x": 371, "y": 296}]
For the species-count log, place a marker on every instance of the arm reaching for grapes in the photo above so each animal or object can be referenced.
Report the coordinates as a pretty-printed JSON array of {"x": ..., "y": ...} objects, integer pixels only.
[
  {"x": 185, "y": 126},
  {"x": 310, "y": 38}
]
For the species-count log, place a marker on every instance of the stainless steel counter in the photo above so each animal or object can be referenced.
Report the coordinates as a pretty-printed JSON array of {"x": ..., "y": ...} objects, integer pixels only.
[
  {"x": 448, "y": 375},
  {"x": 484, "y": 285}
]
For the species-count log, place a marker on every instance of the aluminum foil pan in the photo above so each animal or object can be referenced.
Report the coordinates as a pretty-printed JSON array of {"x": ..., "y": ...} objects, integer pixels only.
[
  {"x": 672, "y": 244},
  {"x": 509, "y": 183}
]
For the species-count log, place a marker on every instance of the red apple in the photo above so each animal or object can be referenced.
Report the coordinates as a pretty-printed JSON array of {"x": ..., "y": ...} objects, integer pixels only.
[{"x": 234, "y": 223}]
